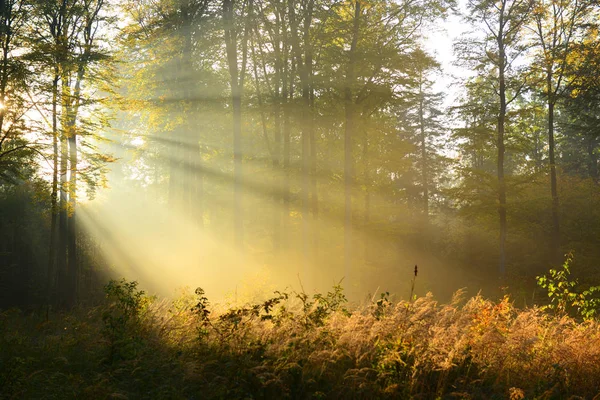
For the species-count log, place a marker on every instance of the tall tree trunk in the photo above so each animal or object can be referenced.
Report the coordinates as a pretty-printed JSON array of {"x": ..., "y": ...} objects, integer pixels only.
[
  {"x": 61, "y": 39},
  {"x": 555, "y": 242},
  {"x": 61, "y": 263},
  {"x": 288, "y": 96},
  {"x": 237, "y": 87},
  {"x": 177, "y": 150},
  {"x": 236, "y": 100},
  {"x": 287, "y": 90},
  {"x": 424, "y": 161},
  {"x": 73, "y": 271},
  {"x": 191, "y": 141},
  {"x": 72, "y": 112},
  {"x": 174, "y": 171},
  {"x": 237, "y": 168},
  {"x": 348, "y": 136},
  {"x": 367, "y": 196},
  {"x": 6, "y": 30},
  {"x": 50, "y": 279},
  {"x": 501, "y": 150},
  {"x": 305, "y": 140},
  {"x": 310, "y": 123},
  {"x": 276, "y": 156}
]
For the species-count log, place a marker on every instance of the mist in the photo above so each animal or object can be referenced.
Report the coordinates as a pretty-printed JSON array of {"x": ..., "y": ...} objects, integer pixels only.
[
  {"x": 251, "y": 147},
  {"x": 299, "y": 199}
]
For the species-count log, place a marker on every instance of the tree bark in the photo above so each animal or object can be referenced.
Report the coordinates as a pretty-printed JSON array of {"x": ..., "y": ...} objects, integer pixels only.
[
  {"x": 50, "y": 279},
  {"x": 305, "y": 140},
  {"x": 310, "y": 123},
  {"x": 73, "y": 267},
  {"x": 555, "y": 242},
  {"x": 348, "y": 136},
  {"x": 237, "y": 87},
  {"x": 367, "y": 197},
  {"x": 501, "y": 147},
  {"x": 61, "y": 263},
  {"x": 276, "y": 156},
  {"x": 288, "y": 96},
  {"x": 424, "y": 161}
]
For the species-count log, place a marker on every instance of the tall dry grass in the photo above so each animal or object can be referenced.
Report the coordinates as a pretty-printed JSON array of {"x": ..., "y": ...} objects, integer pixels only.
[{"x": 311, "y": 348}]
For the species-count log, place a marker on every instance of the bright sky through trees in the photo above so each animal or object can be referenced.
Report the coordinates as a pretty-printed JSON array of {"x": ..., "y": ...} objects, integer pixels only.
[{"x": 298, "y": 142}]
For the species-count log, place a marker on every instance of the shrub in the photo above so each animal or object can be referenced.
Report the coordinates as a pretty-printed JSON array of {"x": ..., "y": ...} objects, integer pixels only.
[
  {"x": 296, "y": 346},
  {"x": 316, "y": 311},
  {"x": 563, "y": 295},
  {"x": 122, "y": 318}
]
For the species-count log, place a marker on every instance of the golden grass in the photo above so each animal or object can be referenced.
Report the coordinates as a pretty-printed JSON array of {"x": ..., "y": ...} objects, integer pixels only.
[{"x": 467, "y": 348}]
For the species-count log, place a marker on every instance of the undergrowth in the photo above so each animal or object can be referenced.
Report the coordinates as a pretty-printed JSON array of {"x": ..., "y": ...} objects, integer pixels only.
[{"x": 299, "y": 346}]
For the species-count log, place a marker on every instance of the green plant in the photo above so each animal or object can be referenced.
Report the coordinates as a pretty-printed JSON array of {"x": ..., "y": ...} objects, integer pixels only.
[
  {"x": 321, "y": 306},
  {"x": 121, "y": 317},
  {"x": 239, "y": 317},
  {"x": 563, "y": 295},
  {"x": 231, "y": 321},
  {"x": 201, "y": 309},
  {"x": 381, "y": 305}
]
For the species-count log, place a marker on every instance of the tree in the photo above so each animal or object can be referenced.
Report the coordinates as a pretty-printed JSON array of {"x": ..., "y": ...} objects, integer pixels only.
[
  {"x": 15, "y": 101},
  {"x": 422, "y": 124},
  {"x": 502, "y": 45},
  {"x": 67, "y": 44},
  {"x": 556, "y": 25},
  {"x": 377, "y": 50},
  {"x": 348, "y": 136},
  {"x": 304, "y": 68},
  {"x": 237, "y": 75}
]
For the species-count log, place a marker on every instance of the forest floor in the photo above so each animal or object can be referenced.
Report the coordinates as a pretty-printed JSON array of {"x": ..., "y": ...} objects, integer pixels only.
[{"x": 297, "y": 346}]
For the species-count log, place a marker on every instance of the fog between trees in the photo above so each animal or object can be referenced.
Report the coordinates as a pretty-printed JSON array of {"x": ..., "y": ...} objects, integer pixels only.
[{"x": 244, "y": 146}]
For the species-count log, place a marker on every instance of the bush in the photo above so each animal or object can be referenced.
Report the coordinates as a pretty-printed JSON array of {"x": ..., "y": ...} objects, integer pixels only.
[
  {"x": 296, "y": 346},
  {"x": 564, "y": 298},
  {"x": 122, "y": 318}
]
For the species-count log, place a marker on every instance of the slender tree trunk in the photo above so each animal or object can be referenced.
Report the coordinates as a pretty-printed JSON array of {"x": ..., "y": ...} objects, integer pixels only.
[
  {"x": 199, "y": 185},
  {"x": 191, "y": 150},
  {"x": 273, "y": 152},
  {"x": 54, "y": 195},
  {"x": 5, "y": 25},
  {"x": 305, "y": 187},
  {"x": 310, "y": 123},
  {"x": 424, "y": 160},
  {"x": 555, "y": 242},
  {"x": 62, "y": 215},
  {"x": 237, "y": 166},
  {"x": 348, "y": 135},
  {"x": 177, "y": 157},
  {"x": 288, "y": 97},
  {"x": 263, "y": 117},
  {"x": 196, "y": 176},
  {"x": 501, "y": 151},
  {"x": 237, "y": 87},
  {"x": 174, "y": 171},
  {"x": 236, "y": 100},
  {"x": 287, "y": 90},
  {"x": 276, "y": 157},
  {"x": 72, "y": 111},
  {"x": 73, "y": 271},
  {"x": 305, "y": 140},
  {"x": 367, "y": 197}
]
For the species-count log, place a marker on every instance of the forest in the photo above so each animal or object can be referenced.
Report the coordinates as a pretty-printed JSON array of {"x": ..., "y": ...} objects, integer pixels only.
[{"x": 299, "y": 199}]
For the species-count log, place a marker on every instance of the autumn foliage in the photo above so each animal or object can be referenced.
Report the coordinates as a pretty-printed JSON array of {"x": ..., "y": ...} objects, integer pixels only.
[{"x": 293, "y": 345}]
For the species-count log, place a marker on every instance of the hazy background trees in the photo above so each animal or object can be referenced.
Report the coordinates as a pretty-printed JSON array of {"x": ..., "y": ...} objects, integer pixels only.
[{"x": 306, "y": 139}]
